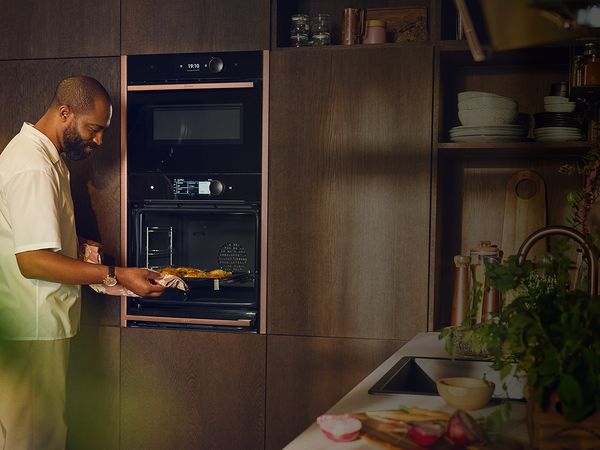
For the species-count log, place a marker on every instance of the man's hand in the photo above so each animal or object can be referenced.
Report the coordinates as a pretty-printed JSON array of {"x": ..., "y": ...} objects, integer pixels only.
[{"x": 139, "y": 281}]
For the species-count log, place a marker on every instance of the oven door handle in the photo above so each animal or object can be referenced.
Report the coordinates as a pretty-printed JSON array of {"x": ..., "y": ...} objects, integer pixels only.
[
  {"x": 194, "y": 86},
  {"x": 192, "y": 321}
]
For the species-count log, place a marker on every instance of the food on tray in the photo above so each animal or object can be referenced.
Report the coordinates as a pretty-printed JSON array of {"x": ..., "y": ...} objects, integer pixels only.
[{"x": 190, "y": 272}]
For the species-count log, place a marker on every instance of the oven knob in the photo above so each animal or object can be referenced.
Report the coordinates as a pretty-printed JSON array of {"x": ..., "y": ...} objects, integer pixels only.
[
  {"x": 215, "y": 65},
  {"x": 216, "y": 187}
]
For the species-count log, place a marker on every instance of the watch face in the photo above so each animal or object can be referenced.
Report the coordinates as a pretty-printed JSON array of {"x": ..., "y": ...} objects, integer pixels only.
[{"x": 110, "y": 281}]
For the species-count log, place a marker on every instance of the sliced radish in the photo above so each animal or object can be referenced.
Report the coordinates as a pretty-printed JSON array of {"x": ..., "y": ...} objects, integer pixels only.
[
  {"x": 340, "y": 427},
  {"x": 426, "y": 433}
]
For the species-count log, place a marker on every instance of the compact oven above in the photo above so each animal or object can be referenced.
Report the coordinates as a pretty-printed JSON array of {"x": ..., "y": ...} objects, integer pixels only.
[
  {"x": 195, "y": 149},
  {"x": 199, "y": 111}
]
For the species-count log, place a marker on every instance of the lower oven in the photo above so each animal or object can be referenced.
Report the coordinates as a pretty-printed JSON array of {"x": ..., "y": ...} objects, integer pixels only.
[{"x": 205, "y": 235}]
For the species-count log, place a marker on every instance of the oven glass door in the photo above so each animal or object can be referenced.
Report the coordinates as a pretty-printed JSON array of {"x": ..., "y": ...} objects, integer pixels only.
[
  {"x": 215, "y": 127},
  {"x": 203, "y": 237}
]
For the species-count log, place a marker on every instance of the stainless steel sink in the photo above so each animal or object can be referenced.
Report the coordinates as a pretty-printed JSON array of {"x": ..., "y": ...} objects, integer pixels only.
[{"x": 417, "y": 376}]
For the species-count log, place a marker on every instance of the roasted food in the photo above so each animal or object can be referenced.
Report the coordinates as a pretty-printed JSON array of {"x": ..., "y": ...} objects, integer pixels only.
[{"x": 190, "y": 272}]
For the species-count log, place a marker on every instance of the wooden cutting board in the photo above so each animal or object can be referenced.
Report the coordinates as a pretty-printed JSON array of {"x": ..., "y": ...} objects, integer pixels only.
[
  {"x": 524, "y": 213},
  {"x": 388, "y": 435}
]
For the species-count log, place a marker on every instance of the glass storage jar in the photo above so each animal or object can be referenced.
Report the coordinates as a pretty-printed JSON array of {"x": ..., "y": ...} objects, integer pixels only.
[
  {"x": 321, "y": 34},
  {"x": 587, "y": 67},
  {"x": 299, "y": 30}
]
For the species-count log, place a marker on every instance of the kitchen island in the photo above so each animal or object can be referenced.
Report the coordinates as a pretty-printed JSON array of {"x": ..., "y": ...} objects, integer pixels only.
[{"x": 359, "y": 400}]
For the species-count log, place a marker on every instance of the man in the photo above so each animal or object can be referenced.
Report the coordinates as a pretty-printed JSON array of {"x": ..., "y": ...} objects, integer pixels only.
[{"x": 39, "y": 270}]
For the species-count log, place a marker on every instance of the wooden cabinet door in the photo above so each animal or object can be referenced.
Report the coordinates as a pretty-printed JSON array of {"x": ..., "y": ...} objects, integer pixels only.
[
  {"x": 349, "y": 191},
  {"x": 192, "y": 390},
  {"x": 93, "y": 389},
  {"x": 59, "y": 29},
  {"x": 307, "y": 376},
  {"x": 177, "y": 26}
]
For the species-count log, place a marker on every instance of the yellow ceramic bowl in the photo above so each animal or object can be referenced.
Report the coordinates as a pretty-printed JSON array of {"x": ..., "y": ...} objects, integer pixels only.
[{"x": 464, "y": 392}]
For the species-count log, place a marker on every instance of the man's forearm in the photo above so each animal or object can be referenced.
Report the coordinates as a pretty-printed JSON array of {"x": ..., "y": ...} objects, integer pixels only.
[{"x": 51, "y": 266}]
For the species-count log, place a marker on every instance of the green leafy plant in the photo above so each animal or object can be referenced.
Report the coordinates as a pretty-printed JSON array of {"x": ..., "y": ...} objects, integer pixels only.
[
  {"x": 582, "y": 200},
  {"x": 548, "y": 332}
]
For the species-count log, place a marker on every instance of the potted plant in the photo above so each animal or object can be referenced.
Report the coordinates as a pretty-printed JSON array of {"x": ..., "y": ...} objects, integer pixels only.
[{"x": 551, "y": 335}]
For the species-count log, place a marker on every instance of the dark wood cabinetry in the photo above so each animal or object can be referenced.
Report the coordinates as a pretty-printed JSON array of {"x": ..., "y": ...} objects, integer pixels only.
[
  {"x": 308, "y": 375},
  {"x": 190, "y": 389},
  {"x": 349, "y": 185},
  {"x": 181, "y": 26},
  {"x": 58, "y": 29},
  {"x": 93, "y": 406}
]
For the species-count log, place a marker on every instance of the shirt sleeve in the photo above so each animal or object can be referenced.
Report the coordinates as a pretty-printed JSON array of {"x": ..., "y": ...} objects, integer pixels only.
[{"x": 33, "y": 200}]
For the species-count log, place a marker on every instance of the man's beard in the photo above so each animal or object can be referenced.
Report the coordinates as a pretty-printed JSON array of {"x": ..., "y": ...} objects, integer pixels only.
[{"x": 74, "y": 146}]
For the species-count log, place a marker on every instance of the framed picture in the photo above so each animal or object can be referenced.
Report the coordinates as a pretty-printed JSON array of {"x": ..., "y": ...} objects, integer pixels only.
[{"x": 403, "y": 24}]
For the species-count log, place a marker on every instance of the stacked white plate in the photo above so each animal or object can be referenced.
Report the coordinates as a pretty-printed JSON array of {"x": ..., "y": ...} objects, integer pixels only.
[
  {"x": 557, "y": 134},
  {"x": 488, "y": 133}
]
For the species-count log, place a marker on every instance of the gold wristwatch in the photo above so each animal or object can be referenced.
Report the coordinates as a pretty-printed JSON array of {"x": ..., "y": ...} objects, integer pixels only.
[{"x": 110, "y": 279}]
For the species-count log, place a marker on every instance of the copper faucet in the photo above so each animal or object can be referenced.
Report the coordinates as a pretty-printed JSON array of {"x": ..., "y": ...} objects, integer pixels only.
[{"x": 573, "y": 234}]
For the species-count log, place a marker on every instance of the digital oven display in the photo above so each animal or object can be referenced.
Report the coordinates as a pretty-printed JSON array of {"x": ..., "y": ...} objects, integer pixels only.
[{"x": 181, "y": 186}]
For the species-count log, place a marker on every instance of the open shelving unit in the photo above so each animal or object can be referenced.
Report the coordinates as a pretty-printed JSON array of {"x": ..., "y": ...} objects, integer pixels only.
[{"x": 470, "y": 179}]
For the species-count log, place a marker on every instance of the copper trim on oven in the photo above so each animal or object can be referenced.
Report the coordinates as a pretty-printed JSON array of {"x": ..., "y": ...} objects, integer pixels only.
[
  {"x": 196, "y": 86},
  {"x": 264, "y": 197},
  {"x": 123, "y": 197},
  {"x": 238, "y": 322}
]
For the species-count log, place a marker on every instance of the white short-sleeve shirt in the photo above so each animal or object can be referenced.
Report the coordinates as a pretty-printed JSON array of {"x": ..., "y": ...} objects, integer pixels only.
[{"x": 36, "y": 212}]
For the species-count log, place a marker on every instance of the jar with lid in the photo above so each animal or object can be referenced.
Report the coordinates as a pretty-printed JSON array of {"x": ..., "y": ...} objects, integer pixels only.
[
  {"x": 375, "y": 32},
  {"x": 299, "y": 30},
  {"x": 320, "y": 30},
  {"x": 586, "y": 67},
  {"x": 485, "y": 253}
]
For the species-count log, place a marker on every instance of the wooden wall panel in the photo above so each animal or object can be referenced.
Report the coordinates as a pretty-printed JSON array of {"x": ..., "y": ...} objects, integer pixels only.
[
  {"x": 189, "y": 389},
  {"x": 27, "y": 89},
  {"x": 179, "y": 26},
  {"x": 93, "y": 389},
  {"x": 59, "y": 29},
  {"x": 307, "y": 376},
  {"x": 349, "y": 191}
]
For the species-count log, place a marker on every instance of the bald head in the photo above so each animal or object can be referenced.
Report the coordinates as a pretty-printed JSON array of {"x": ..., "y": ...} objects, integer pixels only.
[{"x": 79, "y": 93}]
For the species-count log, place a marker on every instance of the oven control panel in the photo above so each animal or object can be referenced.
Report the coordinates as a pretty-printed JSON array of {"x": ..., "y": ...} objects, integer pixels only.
[{"x": 196, "y": 188}]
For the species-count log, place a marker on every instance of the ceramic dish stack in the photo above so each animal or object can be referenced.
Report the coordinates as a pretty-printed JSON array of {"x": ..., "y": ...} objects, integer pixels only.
[
  {"x": 557, "y": 127},
  {"x": 486, "y": 117}
]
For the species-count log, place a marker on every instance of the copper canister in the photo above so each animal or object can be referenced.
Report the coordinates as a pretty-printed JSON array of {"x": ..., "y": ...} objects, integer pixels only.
[{"x": 353, "y": 26}]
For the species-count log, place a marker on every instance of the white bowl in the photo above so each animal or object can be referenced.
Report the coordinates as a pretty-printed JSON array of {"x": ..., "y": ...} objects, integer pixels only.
[
  {"x": 488, "y": 116},
  {"x": 560, "y": 107},
  {"x": 555, "y": 99},
  {"x": 488, "y": 102},
  {"x": 466, "y": 95},
  {"x": 465, "y": 392}
]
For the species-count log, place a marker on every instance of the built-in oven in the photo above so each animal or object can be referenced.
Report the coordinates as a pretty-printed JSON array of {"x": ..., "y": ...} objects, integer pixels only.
[{"x": 194, "y": 161}]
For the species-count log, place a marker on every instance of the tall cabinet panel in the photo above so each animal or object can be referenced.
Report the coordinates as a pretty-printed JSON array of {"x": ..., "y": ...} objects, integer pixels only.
[
  {"x": 308, "y": 375},
  {"x": 179, "y": 26},
  {"x": 27, "y": 89},
  {"x": 349, "y": 191},
  {"x": 192, "y": 390},
  {"x": 59, "y": 29}
]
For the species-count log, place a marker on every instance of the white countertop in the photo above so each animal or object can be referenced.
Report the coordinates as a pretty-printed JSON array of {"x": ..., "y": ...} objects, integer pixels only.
[{"x": 359, "y": 400}]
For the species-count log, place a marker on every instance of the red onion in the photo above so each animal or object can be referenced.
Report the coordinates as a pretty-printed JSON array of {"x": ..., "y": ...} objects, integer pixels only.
[
  {"x": 426, "y": 433},
  {"x": 463, "y": 430}
]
